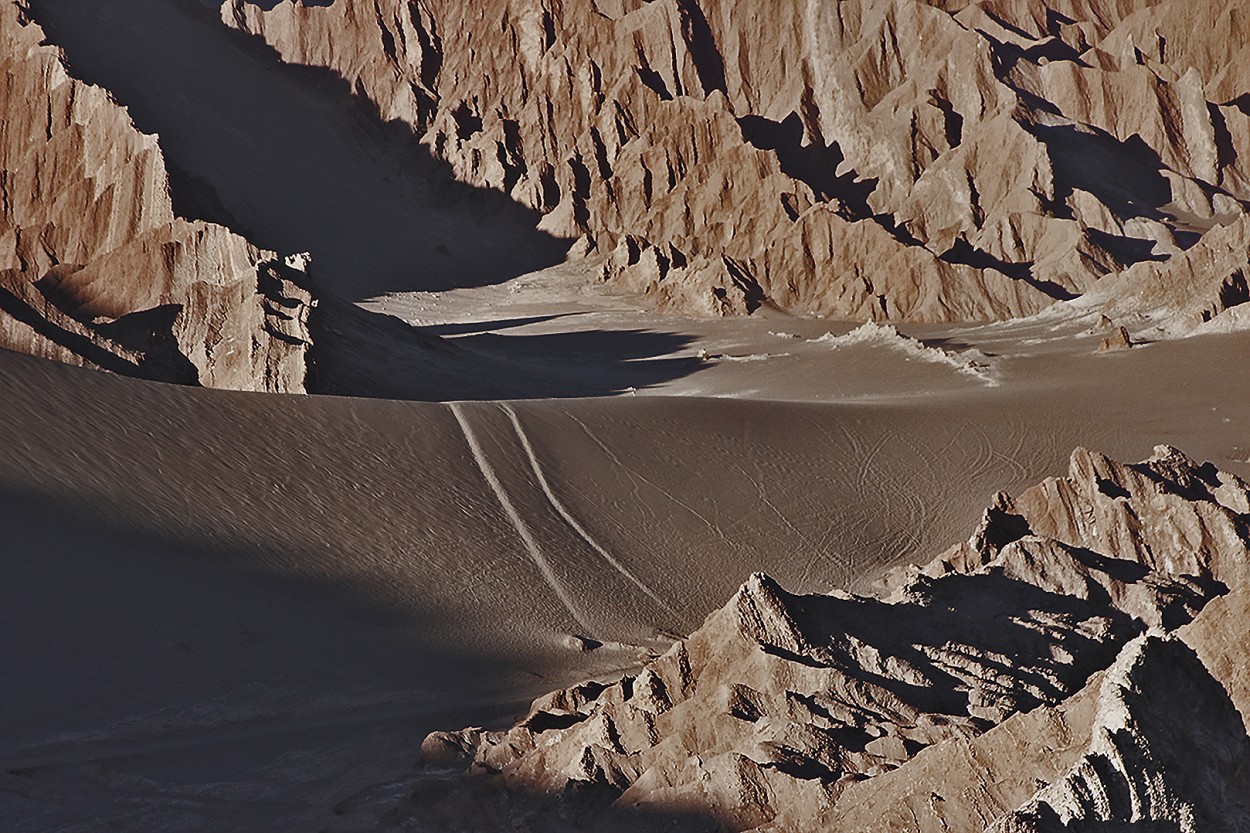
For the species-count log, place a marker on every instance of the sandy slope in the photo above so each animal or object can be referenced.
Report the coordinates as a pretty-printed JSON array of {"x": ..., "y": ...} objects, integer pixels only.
[{"x": 206, "y": 583}]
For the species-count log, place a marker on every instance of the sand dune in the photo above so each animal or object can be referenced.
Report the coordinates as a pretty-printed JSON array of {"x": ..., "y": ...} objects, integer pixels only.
[{"x": 253, "y": 572}]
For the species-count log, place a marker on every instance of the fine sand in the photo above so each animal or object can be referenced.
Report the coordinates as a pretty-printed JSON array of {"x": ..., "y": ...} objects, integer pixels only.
[{"x": 236, "y": 606}]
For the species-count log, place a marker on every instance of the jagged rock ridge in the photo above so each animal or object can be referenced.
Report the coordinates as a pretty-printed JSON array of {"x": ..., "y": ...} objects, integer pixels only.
[
  {"x": 1040, "y": 674},
  {"x": 96, "y": 269},
  {"x": 872, "y": 158}
]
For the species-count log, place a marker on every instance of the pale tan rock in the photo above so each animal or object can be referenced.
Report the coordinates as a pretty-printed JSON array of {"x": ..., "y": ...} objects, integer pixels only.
[
  {"x": 1219, "y": 638},
  {"x": 1192, "y": 291},
  {"x": 1167, "y": 750},
  {"x": 1157, "y": 720},
  {"x": 1118, "y": 340}
]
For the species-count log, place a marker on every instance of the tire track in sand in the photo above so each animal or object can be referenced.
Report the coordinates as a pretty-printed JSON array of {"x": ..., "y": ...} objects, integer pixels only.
[
  {"x": 572, "y": 522},
  {"x": 523, "y": 531}
]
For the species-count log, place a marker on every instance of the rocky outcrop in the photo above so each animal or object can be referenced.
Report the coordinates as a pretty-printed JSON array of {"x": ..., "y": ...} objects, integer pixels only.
[
  {"x": 96, "y": 269},
  {"x": 1202, "y": 289},
  {"x": 1166, "y": 751},
  {"x": 1031, "y": 678},
  {"x": 884, "y": 159},
  {"x": 1152, "y": 743}
]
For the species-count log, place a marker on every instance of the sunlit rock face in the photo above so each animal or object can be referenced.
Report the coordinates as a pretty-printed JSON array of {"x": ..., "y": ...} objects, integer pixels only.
[
  {"x": 874, "y": 159},
  {"x": 96, "y": 269}
]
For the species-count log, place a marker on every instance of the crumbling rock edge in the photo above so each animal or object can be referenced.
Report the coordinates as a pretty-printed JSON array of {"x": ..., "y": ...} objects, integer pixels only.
[{"x": 1079, "y": 660}]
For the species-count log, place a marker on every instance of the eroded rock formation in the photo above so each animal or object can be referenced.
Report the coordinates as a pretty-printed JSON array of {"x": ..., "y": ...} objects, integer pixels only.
[
  {"x": 96, "y": 269},
  {"x": 872, "y": 158},
  {"x": 1058, "y": 668}
]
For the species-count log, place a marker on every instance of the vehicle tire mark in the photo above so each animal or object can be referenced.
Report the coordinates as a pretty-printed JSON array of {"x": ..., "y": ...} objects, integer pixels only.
[
  {"x": 518, "y": 523},
  {"x": 572, "y": 522}
]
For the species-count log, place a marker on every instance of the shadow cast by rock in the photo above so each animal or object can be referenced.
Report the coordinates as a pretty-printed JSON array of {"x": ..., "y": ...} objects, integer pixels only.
[{"x": 370, "y": 354}]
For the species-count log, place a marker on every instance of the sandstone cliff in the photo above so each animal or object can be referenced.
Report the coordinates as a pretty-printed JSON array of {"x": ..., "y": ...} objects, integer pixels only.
[
  {"x": 96, "y": 269},
  {"x": 872, "y": 158},
  {"x": 1032, "y": 678}
]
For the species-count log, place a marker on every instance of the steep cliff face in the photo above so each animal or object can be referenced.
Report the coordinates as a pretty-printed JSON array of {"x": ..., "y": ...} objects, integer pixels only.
[
  {"x": 1027, "y": 679},
  {"x": 96, "y": 269},
  {"x": 872, "y": 158}
]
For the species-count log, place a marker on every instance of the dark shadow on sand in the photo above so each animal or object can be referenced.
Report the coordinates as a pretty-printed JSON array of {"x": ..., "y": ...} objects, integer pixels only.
[
  {"x": 470, "y": 327},
  {"x": 147, "y": 636},
  {"x": 167, "y": 675},
  {"x": 122, "y": 643},
  {"x": 369, "y": 354}
]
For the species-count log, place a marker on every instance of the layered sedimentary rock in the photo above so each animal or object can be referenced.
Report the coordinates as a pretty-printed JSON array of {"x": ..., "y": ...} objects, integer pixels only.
[
  {"x": 96, "y": 269},
  {"x": 1059, "y": 668},
  {"x": 872, "y": 158}
]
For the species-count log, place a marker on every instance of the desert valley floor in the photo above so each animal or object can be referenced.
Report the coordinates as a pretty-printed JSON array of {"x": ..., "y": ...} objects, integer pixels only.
[
  {"x": 247, "y": 609},
  {"x": 235, "y": 607}
]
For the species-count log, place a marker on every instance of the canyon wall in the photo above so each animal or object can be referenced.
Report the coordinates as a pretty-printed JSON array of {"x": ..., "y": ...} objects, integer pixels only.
[
  {"x": 96, "y": 269},
  {"x": 884, "y": 159}
]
